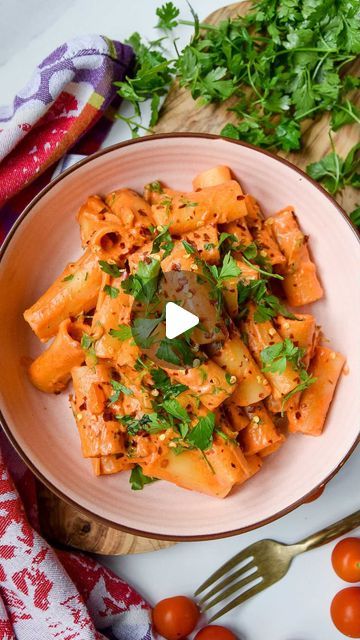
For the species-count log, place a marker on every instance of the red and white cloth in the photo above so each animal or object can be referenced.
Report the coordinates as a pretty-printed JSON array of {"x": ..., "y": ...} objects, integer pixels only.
[{"x": 47, "y": 594}]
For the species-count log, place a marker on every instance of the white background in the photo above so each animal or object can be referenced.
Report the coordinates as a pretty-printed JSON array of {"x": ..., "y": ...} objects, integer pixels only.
[{"x": 297, "y": 608}]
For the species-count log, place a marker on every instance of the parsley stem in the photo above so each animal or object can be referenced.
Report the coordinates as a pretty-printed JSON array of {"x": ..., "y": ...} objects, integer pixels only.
[
  {"x": 264, "y": 273},
  {"x": 132, "y": 122},
  {"x": 202, "y": 25},
  {"x": 207, "y": 461},
  {"x": 337, "y": 166},
  {"x": 350, "y": 112}
]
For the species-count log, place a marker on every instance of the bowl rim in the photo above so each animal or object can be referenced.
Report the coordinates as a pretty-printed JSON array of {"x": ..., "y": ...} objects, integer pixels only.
[{"x": 39, "y": 475}]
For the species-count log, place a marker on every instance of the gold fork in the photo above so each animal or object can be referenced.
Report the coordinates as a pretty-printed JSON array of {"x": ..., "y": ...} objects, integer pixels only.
[{"x": 264, "y": 562}]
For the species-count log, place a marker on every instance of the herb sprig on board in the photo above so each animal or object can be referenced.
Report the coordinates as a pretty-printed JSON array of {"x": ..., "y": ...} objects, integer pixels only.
[{"x": 282, "y": 62}]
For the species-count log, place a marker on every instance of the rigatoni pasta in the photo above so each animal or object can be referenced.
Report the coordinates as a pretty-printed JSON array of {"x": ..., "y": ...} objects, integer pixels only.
[{"x": 205, "y": 409}]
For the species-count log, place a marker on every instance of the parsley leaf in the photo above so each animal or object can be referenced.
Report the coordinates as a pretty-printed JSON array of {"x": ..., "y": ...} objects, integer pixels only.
[
  {"x": 167, "y": 15},
  {"x": 335, "y": 172},
  {"x": 110, "y": 268},
  {"x": 229, "y": 268},
  {"x": 123, "y": 332},
  {"x": 344, "y": 113},
  {"x": 113, "y": 292},
  {"x": 87, "y": 344},
  {"x": 174, "y": 408},
  {"x": 175, "y": 351},
  {"x": 306, "y": 381},
  {"x": 143, "y": 284},
  {"x": 119, "y": 388},
  {"x": 355, "y": 217},
  {"x": 143, "y": 330},
  {"x": 267, "y": 305},
  {"x": 201, "y": 436},
  {"x": 155, "y": 187},
  {"x": 163, "y": 383},
  {"x": 276, "y": 356},
  {"x": 138, "y": 479},
  {"x": 163, "y": 241},
  {"x": 68, "y": 278}
]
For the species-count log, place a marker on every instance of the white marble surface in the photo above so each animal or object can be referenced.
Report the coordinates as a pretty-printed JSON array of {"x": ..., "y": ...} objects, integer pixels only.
[{"x": 298, "y": 607}]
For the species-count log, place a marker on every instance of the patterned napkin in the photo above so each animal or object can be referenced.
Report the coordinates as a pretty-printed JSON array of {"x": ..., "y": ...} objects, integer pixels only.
[
  {"x": 66, "y": 95},
  {"x": 47, "y": 594}
]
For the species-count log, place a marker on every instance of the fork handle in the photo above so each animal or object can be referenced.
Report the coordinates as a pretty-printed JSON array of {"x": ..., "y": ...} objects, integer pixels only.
[{"x": 330, "y": 533}]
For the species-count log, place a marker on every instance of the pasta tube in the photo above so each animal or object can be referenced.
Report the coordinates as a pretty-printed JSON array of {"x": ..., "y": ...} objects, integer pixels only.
[
  {"x": 301, "y": 284},
  {"x": 309, "y": 417},
  {"x": 236, "y": 414},
  {"x": 208, "y": 381},
  {"x": 51, "y": 371},
  {"x": 100, "y": 434},
  {"x": 205, "y": 240},
  {"x": 240, "y": 230},
  {"x": 260, "y": 336},
  {"x": 230, "y": 287},
  {"x": 185, "y": 212},
  {"x": 225, "y": 466},
  {"x": 235, "y": 358},
  {"x": 75, "y": 291},
  {"x": 106, "y": 465},
  {"x": 261, "y": 431},
  {"x": 254, "y": 463},
  {"x": 212, "y": 177},
  {"x": 262, "y": 233},
  {"x": 110, "y": 313}
]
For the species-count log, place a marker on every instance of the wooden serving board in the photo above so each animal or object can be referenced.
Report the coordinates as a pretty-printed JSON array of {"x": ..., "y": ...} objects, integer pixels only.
[{"x": 61, "y": 523}]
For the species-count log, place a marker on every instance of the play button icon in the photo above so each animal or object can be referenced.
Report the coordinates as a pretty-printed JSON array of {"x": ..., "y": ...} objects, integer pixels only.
[
  {"x": 174, "y": 317},
  {"x": 178, "y": 320}
]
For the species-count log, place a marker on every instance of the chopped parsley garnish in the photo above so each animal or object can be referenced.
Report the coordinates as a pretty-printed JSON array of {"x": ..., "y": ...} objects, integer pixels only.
[
  {"x": 163, "y": 241},
  {"x": 176, "y": 351},
  {"x": 122, "y": 333},
  {"x": 174, "y": 408},
  {"x": 167, "y": 388},
  {"x": 113, "y": 292},
  {"x": 143, "y": 284},
  {"x": 155, "y": 187},
  {"x": 278, "y": 355},
  {"x": 68, "y": 278},
  {"x": 87, "y": 344},
  {"x": 229, "y": 269},
  {"x": 144, "y": 331},
  {"x": 110, "y": 268},
  {"x": 119, "y": 388},
  {"x": 267, "y": 305},
  {"x": 166, "y": 202},
  {"x": 201, "y": 436},
  {"x": 306, "y": 380},
  {"x": 138, "y": 479}
]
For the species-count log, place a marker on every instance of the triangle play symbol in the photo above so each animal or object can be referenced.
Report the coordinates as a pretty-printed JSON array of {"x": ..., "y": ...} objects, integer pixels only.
[{"x": 178, "y": 320}]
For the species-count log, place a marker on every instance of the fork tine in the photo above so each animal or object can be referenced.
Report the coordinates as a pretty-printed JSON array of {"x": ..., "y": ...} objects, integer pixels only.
[
  {"x": 234, "y": 603},
  {"x": 226, "y": 581},
  {"x": 230, "y": 564},
  {"x": 232, "y": 589}
]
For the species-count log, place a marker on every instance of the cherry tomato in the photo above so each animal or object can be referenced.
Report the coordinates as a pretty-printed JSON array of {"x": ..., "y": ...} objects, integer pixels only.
[
  {"x": 345, "y": 611},
  {"x": 345, "y": 559},
  {"x": 214, "y": 632},
  {"x": 175, "y": 617}
]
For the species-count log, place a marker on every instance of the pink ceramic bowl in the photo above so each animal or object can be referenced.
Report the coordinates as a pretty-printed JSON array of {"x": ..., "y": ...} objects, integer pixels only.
[{"x": 41, "y": 427}]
